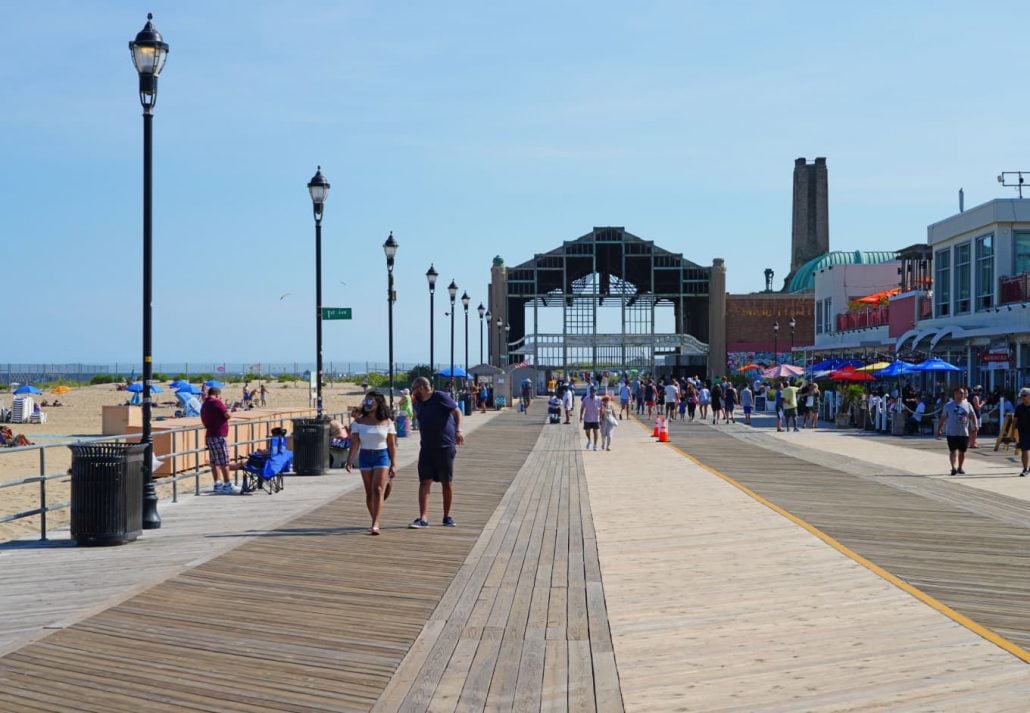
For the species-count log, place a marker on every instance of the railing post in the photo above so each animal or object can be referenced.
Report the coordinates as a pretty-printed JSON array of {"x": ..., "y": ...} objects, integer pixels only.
[
  {"x": 42, "y": 493},
  {"x": 175, "y": 483}
]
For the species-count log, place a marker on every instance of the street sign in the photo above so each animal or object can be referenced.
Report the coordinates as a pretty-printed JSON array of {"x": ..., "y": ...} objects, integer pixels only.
[{"x": 336, "y": 312}]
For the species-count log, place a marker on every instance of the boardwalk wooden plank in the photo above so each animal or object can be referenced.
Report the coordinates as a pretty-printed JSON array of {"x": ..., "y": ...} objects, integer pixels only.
[{"x": 555, "y": 689}]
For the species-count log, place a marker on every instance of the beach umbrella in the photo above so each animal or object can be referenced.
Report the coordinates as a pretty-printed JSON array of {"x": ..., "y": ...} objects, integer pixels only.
[
  {"x": 749, "y": 367},
  {"x": 26, "y": 389},
  {"x": 458, "y": 373},
  {"x": 935, "y": 364},
  {"x": 782, "y": 371},
  {"x": 136, "y": 387},
  {"x": 62, "y": 389},
  {"x": 213, "y": 384},
  {"x": 895, "y": 369},
  {"x": 877, "y": 366},
  {"x": 188, "y": 389},
  {"x": 835, "y": 363},
  {"x": 850, "y": 373},
  {"x": 178, "y": 384}
]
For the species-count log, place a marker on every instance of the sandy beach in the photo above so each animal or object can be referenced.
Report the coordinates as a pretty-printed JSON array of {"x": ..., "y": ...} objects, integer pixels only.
[{"x": 81, "y": 416}]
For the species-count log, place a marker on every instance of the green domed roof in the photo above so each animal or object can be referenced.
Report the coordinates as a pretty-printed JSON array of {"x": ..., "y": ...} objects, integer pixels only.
[
  {"x": 498, "y": 261},
  {"x": 804, "y": 279}
]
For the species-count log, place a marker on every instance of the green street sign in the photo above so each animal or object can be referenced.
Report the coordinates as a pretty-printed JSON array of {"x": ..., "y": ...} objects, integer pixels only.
[{"x": 336, "y": 313}]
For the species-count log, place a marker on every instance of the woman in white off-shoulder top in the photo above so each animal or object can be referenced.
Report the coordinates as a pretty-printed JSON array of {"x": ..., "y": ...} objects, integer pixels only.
[{"x": 374, "y": 440}]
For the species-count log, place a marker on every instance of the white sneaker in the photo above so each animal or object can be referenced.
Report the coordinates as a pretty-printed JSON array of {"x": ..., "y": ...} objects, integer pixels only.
[
  {"x": 230, "y": 489},
  {"x": 217, "y": 488}
]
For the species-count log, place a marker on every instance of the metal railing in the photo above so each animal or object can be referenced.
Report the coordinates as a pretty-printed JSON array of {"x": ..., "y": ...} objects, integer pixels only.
[{"x": 177, "y": 436}]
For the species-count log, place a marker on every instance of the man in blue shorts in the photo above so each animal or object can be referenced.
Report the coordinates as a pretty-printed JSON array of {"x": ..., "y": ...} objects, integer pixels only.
[{"x": 439, "y": 422}]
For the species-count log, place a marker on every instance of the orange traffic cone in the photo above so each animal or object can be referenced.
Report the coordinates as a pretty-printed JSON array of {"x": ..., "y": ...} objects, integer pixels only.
[
  {"x": 663, "y": 434},
  {"x": 657, "y": 429}
]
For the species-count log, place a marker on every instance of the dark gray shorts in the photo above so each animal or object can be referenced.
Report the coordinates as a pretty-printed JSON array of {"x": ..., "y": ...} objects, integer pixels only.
[
  {"x": 958, "y": 443},
  {"x": 436, "y": 464}
]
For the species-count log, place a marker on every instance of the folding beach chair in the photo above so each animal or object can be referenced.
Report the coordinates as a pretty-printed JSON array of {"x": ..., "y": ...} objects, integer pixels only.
[{"x": 264, "y": 469}]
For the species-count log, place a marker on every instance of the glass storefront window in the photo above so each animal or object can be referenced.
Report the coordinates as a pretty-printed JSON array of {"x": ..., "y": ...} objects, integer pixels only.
[
  {"x": 962, "y": 278},
  {"x": 1022, "y": 252},
  {"x": 942, "y": 283},
  {"x": 985, "y": 272}
]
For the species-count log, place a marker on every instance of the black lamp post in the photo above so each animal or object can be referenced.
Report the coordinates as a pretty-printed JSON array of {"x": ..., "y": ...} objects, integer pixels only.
[
  {"x": 776, "y": 343},
  {"x": 507, "y": 336},
  {"x": 465, "y": 299},
  {"x": 149, "y": 52},
  {"x": 482, "y": 310},
  {"x": 452, "y": 290},
  {"x": 500, "y": 336},
  {"x": 318, "y": 187},
  {"x": 431, "y": 275},
  {"x": 390, "y": 248},
  {"x": 792, "y": 324}
]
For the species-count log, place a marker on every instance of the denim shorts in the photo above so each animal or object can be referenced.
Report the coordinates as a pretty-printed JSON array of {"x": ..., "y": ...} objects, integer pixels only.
[{"x": 367, "y": 460}]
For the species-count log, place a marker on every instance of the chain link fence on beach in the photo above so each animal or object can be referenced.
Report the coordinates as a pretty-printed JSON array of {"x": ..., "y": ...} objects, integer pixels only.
[{"x": 81, "y": 372}]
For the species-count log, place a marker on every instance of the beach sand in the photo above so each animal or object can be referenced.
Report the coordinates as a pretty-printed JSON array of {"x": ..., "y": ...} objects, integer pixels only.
[{"x": 81, "y": 416}]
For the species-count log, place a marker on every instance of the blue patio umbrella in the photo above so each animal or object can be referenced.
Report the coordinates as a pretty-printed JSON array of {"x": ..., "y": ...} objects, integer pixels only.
[
  {"x": 137, "y": 388},
  {"x": 458, "y": 373},
  {"x": 27, "y": 389},
  {"x": 178, "y": 384},
  {"x": 189, "y": 389},
  {"x": 211, "y": 383},
  {"x": 935, "y": 364},
  {"x": 896, "y": 369},
  {"x": 835, "y": 364}
]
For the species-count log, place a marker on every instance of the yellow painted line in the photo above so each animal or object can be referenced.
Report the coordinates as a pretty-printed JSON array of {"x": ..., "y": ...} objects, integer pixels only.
[{"x": 901, "y": 584}]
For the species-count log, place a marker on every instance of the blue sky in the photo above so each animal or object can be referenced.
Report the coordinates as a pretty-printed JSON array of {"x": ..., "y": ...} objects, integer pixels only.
[{"x": 469, "y": 129}]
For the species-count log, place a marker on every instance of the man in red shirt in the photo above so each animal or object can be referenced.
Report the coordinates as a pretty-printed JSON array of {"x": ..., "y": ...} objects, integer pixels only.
[{"x": 215, "y": 417}]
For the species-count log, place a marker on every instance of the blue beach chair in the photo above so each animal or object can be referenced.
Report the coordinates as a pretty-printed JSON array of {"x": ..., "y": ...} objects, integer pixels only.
[{"x": 264, "y": 470}]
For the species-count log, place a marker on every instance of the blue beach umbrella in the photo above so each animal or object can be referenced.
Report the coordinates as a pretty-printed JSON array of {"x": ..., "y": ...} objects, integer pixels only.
[
  {"x": 458, "y": 373},
  {"x": 178, "y": 384},
  {"x": 27, "y": 389},
  {"x": 211, "y": 383},
  {"x": 188, "y": 389},
  {"x": 935, "y": 364},
  {"x": 137, "y": 388}
]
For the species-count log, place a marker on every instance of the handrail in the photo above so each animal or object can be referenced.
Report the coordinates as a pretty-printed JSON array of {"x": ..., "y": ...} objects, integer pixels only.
[{"x": 42, "y": 477}]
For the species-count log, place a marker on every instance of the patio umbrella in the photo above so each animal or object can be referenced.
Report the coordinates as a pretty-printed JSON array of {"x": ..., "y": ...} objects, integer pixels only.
[
  {"x": 188, "y": 389},
  {"x": 895, "y": 369},
  {"x": 458, "y": 373},
  {"x": 27, "y": 389},
  {"x": 850, "y": 373},
  {"x": 834, "y": 364},
  {"x": 62, "y": 389},
  {"x": 873, "y": 367},
  {"x": 178, "y": 384},
  {"x": 212, "y": 383},
  {"x": 781, "y": 371},
  {"x": 137, "y": 388},
  {"x": 749, "y": 367},
  {"x": 935, "y": 364}
]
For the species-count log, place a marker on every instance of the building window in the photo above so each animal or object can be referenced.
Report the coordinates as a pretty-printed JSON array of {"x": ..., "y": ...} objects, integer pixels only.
[
  {"x": 819, "y": 317},
  {"x": 1022, "y": 253},
  {"x": 963, "y": 275},
  {"x": 985, "y": 272},
  {"x": 942, "y": 283}
]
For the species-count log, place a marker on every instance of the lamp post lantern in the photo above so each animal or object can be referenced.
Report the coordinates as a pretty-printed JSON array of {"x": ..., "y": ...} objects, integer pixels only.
[
  {"x": 318, "y": 187},
  {"x": 792, "y": 324},
  {"x": 482, "y": 311},
  {"x": 776, "y": 343},
  {"x": 390, "y": 249},
  {"x": 431, "y": 275},
  {"x": 452, "y": 290},
  {"x": 465, "y": 299},
  {"x": 149, "y": 52}
]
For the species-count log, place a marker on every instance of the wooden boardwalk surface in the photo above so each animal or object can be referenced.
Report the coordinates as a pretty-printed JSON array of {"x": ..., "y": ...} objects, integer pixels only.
[
  {"x": 963, "y": 556},
  {"x": 317, "y": 616}
]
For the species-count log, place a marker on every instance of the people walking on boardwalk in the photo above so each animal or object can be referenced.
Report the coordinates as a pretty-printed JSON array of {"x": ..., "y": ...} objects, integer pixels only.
[
  {"x": 215, "y": 417},
  {"x": 956, "y": 418},
  {"x": 779, "y": 406},
  {"x": 813, "y": 402},
  {"x": 439, "y": 420},
  {"x": 374, "y": 440},
  {"x": 691, "y": 401},
  {"x": 608, "y": 422},
  {"x": 624, "y": 396},
  {"x": 672, "y": 399},
  {"x": 590, "y": 417},
  {"x": 650, "y": 395},
  {"x": 704, "y": 396},
  {"x": 747, "y": 402},
  {"x": 729, "y": 402},
  {"x": 790, "y": 406},
  {"x": 684, "y": 384},
  {"x": 1022, "y": 416},
  {"x": 716, "y": 392},
  {"x": 802, "y": 398},
  {"x": 976, "y": 401}
]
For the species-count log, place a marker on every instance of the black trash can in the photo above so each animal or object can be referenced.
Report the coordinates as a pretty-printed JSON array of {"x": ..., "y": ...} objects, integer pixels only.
[
  {"x": 466, "y": 403},
  {"x": 310, "y": 446},
  {"x": 107, "y": 493}
]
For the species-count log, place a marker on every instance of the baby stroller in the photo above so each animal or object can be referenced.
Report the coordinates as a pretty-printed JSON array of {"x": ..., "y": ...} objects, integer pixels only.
[
  {"x": 264, "y": 469},
  {"x": 554, "y": 410}
]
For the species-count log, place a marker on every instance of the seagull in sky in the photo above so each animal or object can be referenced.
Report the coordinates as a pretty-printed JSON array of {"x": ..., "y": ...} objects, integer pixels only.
[{"x": 284, "y": 296}]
